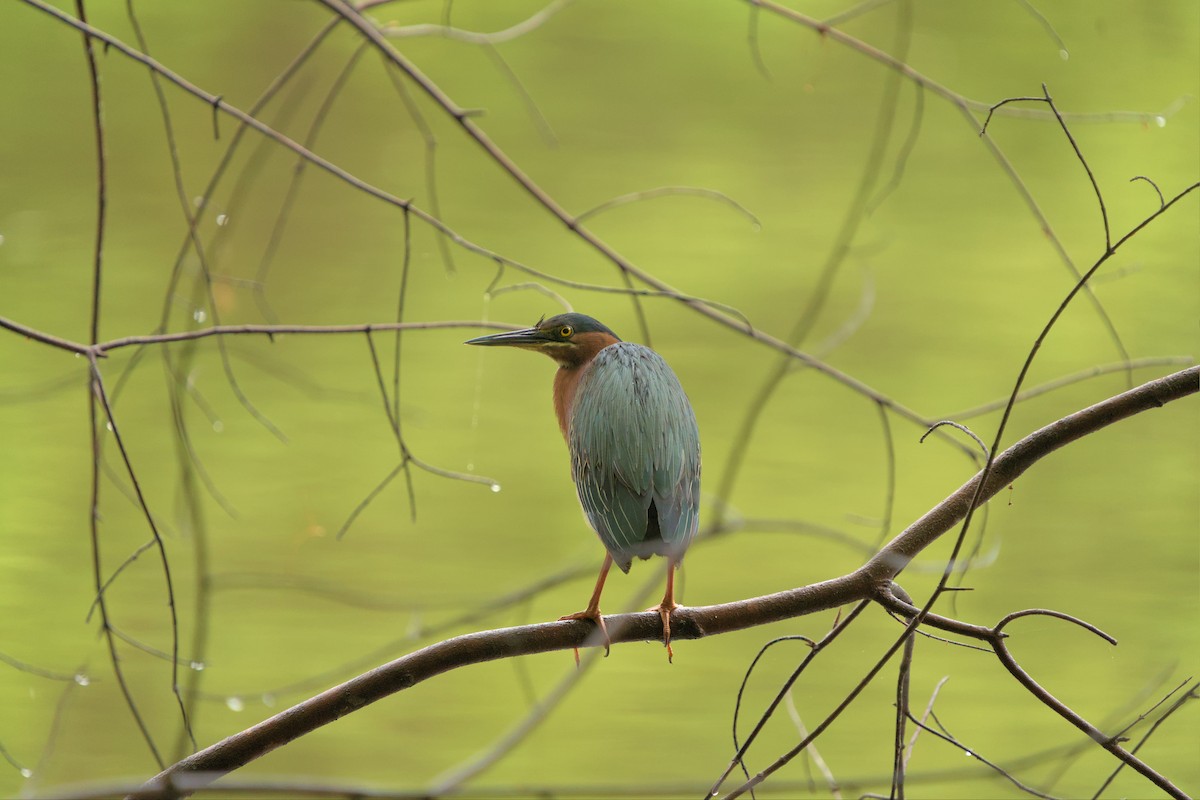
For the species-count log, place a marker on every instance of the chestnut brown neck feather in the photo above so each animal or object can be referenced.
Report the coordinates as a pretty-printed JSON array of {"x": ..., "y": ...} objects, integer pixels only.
[{"x": 573, "y": 362}]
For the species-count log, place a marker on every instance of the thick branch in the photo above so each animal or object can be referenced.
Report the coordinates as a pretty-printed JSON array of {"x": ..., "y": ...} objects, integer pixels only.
[
  {"x": 1014, "y": 461},
  {"x": 687, "y": 623}
]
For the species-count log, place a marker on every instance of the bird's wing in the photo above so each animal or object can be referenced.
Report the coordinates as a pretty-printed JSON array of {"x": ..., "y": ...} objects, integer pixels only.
[{"x": 633, "y": 440}]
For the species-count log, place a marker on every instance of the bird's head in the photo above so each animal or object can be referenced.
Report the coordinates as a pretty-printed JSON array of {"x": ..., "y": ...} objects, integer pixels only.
[{"x": 570, "y": 339}]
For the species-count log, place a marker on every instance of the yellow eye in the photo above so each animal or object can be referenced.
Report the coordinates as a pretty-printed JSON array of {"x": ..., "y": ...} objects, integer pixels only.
[{"x": 565, "y": 332}]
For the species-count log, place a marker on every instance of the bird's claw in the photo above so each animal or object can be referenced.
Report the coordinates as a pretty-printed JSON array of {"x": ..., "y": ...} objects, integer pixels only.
[
  {"x": 664, "y": 610},
  {"x": 595, "y": 616}
]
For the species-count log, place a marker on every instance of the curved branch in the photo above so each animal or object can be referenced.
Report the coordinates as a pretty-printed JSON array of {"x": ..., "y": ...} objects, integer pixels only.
[
  {"x": 1110, "y": 743},
  {"x": 687, "y": 623}
]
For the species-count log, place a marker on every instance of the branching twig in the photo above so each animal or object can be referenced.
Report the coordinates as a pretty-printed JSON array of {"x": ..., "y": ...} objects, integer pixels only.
[{"x": 102, "y": 398}]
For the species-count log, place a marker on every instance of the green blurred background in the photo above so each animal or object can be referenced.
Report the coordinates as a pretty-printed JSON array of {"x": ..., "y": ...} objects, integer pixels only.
[{"x": 944, "y": 286}]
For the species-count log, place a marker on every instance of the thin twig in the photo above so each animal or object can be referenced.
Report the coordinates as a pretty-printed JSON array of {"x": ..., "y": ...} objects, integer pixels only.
[
  {"x": 670, "y": 191},
  {"x": 903, "y": 712},
  {"x": 1076, "y": 377},
  {"x": 737, "y": 705}
]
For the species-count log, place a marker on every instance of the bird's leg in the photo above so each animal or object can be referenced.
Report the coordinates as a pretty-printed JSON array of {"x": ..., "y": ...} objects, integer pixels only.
[
  {"x": 665, "y": 608},
  {"x": 592, "y": 611}
]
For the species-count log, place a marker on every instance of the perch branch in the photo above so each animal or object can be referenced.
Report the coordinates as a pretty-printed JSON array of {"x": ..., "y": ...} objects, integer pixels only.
[{"x": 866, "y": 582}]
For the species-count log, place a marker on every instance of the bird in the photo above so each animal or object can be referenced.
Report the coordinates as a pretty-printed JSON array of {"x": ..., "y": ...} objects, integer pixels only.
[{"x": 634, "y": 446}]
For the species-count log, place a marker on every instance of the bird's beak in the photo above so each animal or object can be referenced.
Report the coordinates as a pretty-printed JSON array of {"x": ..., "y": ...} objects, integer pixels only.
[{"x": 527, "y": 337}]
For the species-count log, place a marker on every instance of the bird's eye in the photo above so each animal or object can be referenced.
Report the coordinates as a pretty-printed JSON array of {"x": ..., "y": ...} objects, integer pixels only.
[{"x": 565, "y": 332}]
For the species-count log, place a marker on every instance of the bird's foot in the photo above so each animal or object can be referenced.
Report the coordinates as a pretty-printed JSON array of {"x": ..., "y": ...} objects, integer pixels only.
[
  {"x": 595, "y": 616},
  {"x": 664, "y": 610}
]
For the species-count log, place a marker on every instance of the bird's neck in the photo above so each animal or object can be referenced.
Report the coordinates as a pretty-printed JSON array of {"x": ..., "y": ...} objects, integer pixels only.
[
  {"x": 566, "y": 381},
  {"x": 571, "y": 371}
]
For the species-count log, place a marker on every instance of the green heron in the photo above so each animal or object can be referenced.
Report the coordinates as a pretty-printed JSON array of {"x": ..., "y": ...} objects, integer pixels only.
[{"x": 635, "y": 447}]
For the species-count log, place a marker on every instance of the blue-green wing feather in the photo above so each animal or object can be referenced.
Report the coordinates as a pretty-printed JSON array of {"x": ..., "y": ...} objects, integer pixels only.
[{"x": 634, "y": 441}]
